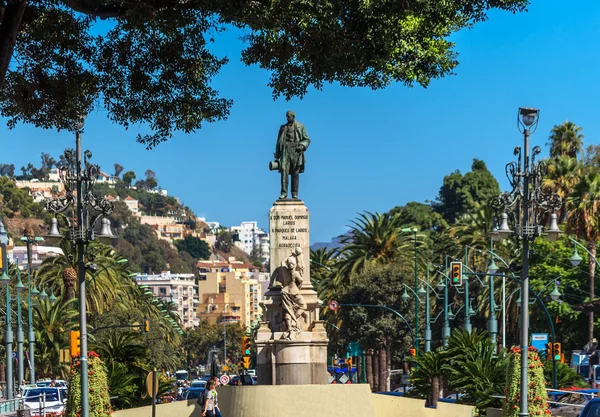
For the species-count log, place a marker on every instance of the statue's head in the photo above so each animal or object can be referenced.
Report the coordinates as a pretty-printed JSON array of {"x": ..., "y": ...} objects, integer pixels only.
[
  {"x": 290, "y": 116},
  {"x": 291, "y": 263}
]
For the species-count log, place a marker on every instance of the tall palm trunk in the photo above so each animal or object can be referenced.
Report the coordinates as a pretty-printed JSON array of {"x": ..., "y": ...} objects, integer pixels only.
[
  {"x": 592, "y": 270},
  {"x": 369, "y": 366},
  {"x": 383, "y": 370},
  {"x": 435, "y": 390},
  {"x": 388, "y": 365},
  {"x": 376, "y": 372}
]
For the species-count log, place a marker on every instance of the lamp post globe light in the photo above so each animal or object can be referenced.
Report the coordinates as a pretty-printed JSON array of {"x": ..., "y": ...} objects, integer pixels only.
[
  {"x": 83, "y": 212},
  {"x": 524, "y": 207}
]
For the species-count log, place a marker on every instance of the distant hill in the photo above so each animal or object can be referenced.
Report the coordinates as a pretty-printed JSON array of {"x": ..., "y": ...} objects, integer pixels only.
[{"x": 334, "y": 244}]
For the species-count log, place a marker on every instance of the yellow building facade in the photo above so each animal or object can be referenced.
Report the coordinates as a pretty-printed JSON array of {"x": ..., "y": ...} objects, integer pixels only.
[{"x": 229, "y": 292}]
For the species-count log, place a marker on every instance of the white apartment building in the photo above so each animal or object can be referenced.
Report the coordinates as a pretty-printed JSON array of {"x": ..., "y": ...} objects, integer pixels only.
[
  {"x": 177, "y": 288},
  {"x": 250, "y": 235},
  {"x": 38, "y": 255}
]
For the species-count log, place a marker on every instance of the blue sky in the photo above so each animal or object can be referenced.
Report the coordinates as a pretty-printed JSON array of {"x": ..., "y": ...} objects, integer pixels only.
[{"x": 370, "y": 150}]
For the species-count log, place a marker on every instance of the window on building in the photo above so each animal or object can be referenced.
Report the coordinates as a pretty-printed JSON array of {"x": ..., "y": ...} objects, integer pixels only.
[{"x": 162, "y": 291}]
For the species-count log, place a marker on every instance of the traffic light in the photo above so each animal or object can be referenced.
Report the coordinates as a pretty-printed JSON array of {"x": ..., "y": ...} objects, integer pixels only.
[
  {"x": 549, "y": 350},
  {"x": 456, "y": 274},
  {"x": 3, "y": 256},
  {"x": 246, "y": 346},
  {"x": 75, "y": 341},
  {"x": 146, "y": 325},
  {"x": 412, "y": 352},
  {"x": 246, "y": 362},
  {"x": 556, "y": 351}
]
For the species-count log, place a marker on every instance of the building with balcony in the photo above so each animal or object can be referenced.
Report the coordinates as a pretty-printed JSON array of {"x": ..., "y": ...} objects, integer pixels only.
[
  {"x": 229, "y": 292},
  {"x": 250, "y": 237},
  {"x": 180, "y": 289},
  {"x": 133, "y": 205},
  {"x": 166, "y": 227}
]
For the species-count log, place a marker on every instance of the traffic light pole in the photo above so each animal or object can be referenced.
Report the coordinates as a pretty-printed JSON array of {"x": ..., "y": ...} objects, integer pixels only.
[
  {"x": 468, "y": 327},
  {"x": 446, "y": 328}
]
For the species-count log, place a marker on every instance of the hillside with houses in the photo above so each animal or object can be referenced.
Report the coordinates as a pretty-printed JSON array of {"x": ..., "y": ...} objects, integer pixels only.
[{"x": 156, "y": 231}]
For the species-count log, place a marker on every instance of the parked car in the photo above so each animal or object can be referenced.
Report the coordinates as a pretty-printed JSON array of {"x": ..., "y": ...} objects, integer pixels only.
[
  {"x": 192, "y": 393},
  {"x": 198, "y": 384},
  {"x": 60, "y": 383},
  {"x": 48, "y": 400},
  {"x": 592, "y": 409}
]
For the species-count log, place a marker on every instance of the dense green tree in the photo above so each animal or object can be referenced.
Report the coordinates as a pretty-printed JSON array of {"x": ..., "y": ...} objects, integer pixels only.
[
  {"x": 459, "y": 193},
  {"x": 196, "y": 247},
  {"x": 118, "y": 169},
  {"x": 224, "y": 240},
  {"x": 17, "y": 202},
  {"x": 7, "y": 170},
  {"x": 584, "y": 222},
  {"x": 375, "y": 328},
  {"x": 64, "y": 68},
  {"x": 128, "y": 178}
]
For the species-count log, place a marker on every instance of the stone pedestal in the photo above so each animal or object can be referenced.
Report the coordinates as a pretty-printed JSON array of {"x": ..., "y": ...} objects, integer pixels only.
[
  {"x": 303, "y": 359},
  {"x": 289, "y": 229}
]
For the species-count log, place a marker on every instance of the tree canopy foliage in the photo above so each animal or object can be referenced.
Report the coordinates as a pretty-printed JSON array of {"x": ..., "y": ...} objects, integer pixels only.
[{"x": 151, "y": 62}]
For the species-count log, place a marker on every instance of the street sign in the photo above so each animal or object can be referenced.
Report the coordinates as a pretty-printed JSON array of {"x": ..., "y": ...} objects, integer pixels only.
[
  {"x": 14, "y": 355},
  {"x": 539, "y": 341},
  {"x": 224, "y": 380},
  {"x": 65, "y": 356},
  {"x": 333, "y": 305},
  {"x": 149, "y": 383}
]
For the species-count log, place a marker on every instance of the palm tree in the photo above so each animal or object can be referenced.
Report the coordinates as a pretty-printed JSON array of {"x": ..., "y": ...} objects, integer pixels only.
[
  {"x": 583, "y": 221},
  {"x": 121, "y": 347},
  {"x": 52, "y": 323},
  {"x": 323, "y": 272},
  {"x": 561, "y": 178},
  {"x": 479, "y": 373},
  {"x": 373, "y": 238},
  {"x": 427, "y": 374},
  {"x": 59, "y": 274},
  {"x": 565, "y": 140}
]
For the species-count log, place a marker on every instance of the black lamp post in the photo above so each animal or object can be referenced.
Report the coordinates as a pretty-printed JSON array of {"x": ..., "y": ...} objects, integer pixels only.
[
  {"x": 525, "y": 207},
  {"x": 82, "y": 211}
]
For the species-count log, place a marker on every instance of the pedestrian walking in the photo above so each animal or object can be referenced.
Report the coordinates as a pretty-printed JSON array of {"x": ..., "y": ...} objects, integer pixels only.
[{"x": 211, "y": 405}]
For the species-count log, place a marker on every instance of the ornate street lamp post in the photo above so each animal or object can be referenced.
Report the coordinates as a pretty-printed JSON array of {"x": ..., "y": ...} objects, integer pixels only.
[
  {"x": 30, "y": 239},
  {"x": 524, "y": 207},
  {"x": 414, "y": 233},
  {"x": 82, "y": 211}
]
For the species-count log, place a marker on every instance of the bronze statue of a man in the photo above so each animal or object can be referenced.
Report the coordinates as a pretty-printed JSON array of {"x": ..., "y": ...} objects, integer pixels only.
[{"x": 292, "y": 141}]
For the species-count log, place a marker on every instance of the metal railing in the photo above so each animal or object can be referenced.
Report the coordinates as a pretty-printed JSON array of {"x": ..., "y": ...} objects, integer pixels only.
[
  {"x": 8, "y": 406},
  {"x": 562, "y": 404}
]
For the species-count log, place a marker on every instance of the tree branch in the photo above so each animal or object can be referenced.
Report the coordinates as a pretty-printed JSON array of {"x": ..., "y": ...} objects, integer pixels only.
[
  {"x": 103, "y": 12},
  {"x": 11, "y": 20}
]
